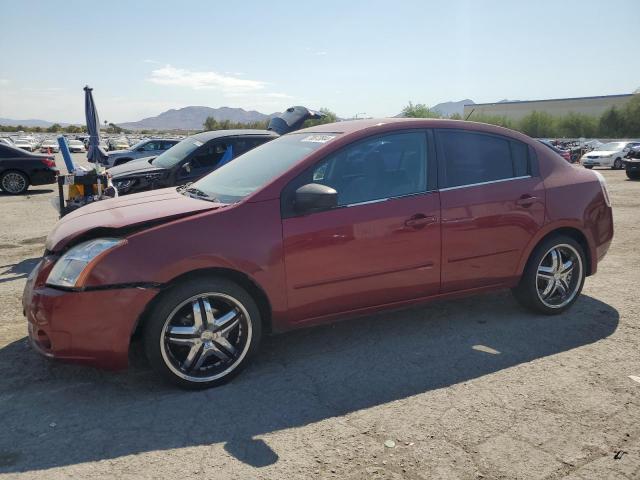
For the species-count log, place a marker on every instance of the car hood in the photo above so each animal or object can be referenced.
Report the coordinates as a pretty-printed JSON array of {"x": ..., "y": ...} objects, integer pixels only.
[
  {"x": 131, "y": 212},
  {"x": 134, "y": 167},
  {"x": 602, "y": 153},
  {"x": 117, "y": 153}
]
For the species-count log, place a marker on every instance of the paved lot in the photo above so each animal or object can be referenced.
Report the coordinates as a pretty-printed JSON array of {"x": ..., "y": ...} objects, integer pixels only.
[{"x": 476, "y": 388}]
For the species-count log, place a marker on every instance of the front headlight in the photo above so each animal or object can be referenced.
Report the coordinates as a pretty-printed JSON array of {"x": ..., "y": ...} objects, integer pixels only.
[
  {"x": 124, "y": 185},
  {"x": 69, "y": 270}
]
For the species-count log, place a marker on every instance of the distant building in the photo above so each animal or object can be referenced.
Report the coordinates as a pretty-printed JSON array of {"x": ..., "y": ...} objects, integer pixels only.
[{"x": 593, "y": 106}]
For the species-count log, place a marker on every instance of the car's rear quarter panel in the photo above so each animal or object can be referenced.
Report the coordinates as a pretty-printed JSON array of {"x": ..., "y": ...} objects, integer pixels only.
[{"x": 574, "y": 199}]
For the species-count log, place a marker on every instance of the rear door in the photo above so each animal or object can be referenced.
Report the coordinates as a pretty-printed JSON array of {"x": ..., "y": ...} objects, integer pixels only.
[
  {"x": 381, "y": 244},
  {"x": 492, "y": 205}
]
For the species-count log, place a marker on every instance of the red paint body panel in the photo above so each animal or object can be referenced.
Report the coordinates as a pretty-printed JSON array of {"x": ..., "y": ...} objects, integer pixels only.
[
  {"x": 124, "y": 212},
  {"x": 314, "y": 268},
  {"x": 84, "y": 327},
  {"x": 363, "y": 255},
  {"x": 484, "y": 231}
]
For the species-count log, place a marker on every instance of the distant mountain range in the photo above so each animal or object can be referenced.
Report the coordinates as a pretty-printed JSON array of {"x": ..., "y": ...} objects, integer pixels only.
[
  {"x": 449, "y": 108},
  {"x": 192, "y": 118},
  {"x": 30, "y": 122}
]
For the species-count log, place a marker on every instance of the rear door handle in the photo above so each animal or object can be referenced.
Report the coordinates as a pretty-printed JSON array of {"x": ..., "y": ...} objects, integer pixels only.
[
  {"x": 526, "y": 200},
  {"x": 420, "y": 221}
]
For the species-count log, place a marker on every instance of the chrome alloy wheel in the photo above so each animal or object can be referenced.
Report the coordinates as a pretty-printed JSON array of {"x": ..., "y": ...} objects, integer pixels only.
[
  {"x": 206, "y": 337},
  {"x": 559, "y": 276},
  {"x": 13, "y": 182}
]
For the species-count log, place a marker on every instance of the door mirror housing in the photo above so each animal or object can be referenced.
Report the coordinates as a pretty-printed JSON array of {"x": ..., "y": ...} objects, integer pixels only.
[
  {"x": 315, "y": 197},
  {"x": 187, "y": 167}
]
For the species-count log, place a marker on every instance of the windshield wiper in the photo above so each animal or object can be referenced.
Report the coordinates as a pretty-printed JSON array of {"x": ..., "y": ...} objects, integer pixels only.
[{"x": 197, "y": 193}]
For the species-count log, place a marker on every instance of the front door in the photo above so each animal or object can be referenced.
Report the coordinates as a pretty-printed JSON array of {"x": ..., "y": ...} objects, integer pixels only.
[
  {"x": 492, "y": 205},
  {"x": 381, "y": 245}
]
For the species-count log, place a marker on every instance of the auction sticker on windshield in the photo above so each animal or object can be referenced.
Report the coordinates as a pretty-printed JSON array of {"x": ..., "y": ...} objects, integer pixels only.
[{"x": 318, "y": 138}]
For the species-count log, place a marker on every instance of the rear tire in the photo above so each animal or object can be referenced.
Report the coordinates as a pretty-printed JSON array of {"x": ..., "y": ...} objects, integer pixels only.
[
  {"x": 617, "y": 165},
  {"x": 14, "y": 182},
  {"x": 553, "y": 277},
  {"x": 589, "y": 167},
  {"x": 202, "y": 332},
  {"x": 633, "y": 175}
]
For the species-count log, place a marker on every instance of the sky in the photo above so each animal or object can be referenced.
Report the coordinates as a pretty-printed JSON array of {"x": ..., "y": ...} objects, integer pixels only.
[{"x": 365, "y": 58}]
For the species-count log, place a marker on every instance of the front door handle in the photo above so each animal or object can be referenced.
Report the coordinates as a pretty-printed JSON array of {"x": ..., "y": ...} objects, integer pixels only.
[
  {"x": 420, "y": 221},
  {"x": 526, "y": 200}
]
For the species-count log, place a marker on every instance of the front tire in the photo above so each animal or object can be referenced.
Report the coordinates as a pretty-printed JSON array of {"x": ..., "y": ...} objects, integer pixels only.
[
  {"x": 588, "y": 167},
  {"x": 633, "y": 175},
  {"x": 14, "y": 182},
  {"x": 202, "y": 332},
  {"x": 553, "y": 277}
]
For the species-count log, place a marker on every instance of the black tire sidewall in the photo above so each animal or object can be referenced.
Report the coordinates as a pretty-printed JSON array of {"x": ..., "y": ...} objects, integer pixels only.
[
  {"x": 156, "y": 316},
  {"x": 527, "y": 291}
]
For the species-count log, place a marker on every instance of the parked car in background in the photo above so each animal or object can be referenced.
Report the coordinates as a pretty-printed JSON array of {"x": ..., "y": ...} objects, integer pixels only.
[
  {"x": 7, "y": 141},
  {"x": 118, "y": 144},
  {"x": 566, "y": 154},
  {"x": 76, "y": 146},
  {"x": 608, "y": 155},
  {"x": 19, "y": 169},
  {"x": 146, "y": 148},
  {"x": 187, "y": 161},
  {"x": 344, "y": 218},
  {"x": 24, "y": 145},
  {"x": 200, "y": 154},
  {"x": 632, "y": 163},
  {"x": 49, "y": 145}
]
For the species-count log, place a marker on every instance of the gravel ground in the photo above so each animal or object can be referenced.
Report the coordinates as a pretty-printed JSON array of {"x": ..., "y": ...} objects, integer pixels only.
[{"x": 466, "y": 389}]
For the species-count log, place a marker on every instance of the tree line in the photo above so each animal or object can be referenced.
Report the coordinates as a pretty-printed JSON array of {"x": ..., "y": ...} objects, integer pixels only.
[
  {"x": 55, "y": 128},
  {"x": 613, "y": 123}
]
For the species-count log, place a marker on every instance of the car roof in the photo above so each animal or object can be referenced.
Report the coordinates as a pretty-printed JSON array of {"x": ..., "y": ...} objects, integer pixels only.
[
  {"x": 206, "y": 136},
  {"x": 389, "y": 124}
]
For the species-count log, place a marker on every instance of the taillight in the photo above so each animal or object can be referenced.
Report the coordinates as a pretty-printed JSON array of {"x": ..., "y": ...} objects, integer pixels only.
[{"x": 49, "y": 162}]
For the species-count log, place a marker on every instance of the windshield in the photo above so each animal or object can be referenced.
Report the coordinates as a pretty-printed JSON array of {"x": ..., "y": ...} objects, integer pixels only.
[
  {"x": 178, "y": 152},
  {"x": 137, "y": 145},
  {"x": 611, "y": 146},
  {"x": 251, "y": 171}
]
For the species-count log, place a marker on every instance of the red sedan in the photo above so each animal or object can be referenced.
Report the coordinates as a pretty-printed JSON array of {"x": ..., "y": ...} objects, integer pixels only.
[{"x": 320, "y": 224}]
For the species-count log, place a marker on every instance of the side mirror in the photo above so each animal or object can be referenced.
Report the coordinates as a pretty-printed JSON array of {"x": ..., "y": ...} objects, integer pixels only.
[
  {"x": 315, "y": 197},
  {"x": 187, "y": 167}
]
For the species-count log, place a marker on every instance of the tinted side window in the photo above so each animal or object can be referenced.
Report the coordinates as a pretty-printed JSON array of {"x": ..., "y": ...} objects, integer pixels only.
[
  {"x": 520, "y": 157},
  {"x": 469, "y": 158},
  {"x": 151, "y": 146},
  {"x": 381, "y": 167},
  {"x": 208, "y": 156},
  {"x": 244, "y": 144}
]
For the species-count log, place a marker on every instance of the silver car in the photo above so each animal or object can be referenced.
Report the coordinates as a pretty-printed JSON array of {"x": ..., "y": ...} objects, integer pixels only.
[{"x": 146, "y": 148}]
